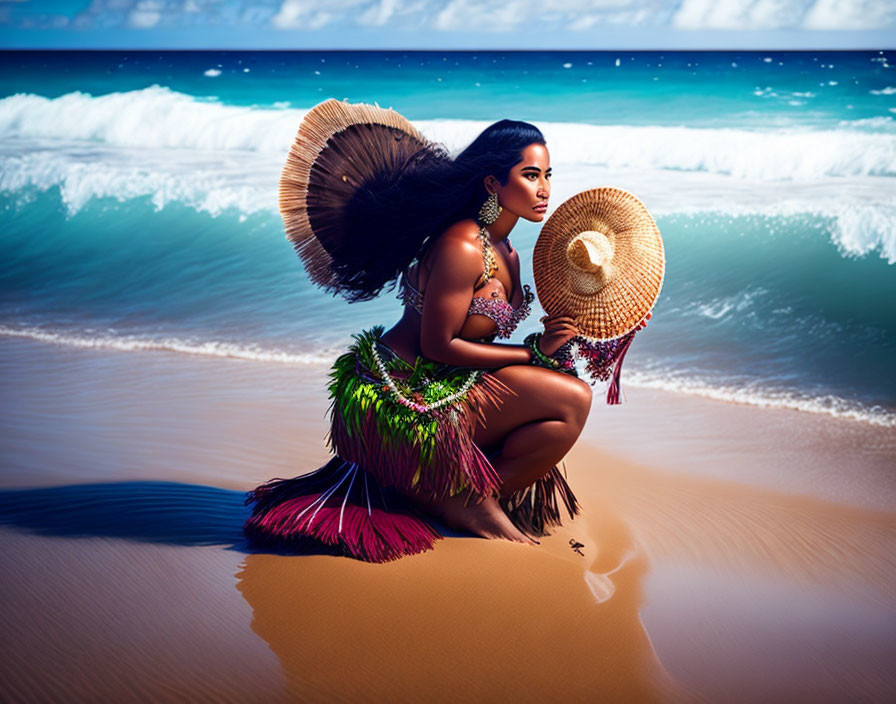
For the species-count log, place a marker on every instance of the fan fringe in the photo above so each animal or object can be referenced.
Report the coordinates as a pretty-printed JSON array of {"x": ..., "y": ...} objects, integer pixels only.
[{"x": 320, "y": 124}]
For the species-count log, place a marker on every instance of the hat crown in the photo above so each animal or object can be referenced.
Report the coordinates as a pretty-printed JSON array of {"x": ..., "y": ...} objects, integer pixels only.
[
  {"x": 591, "y": 255},
  {"x": 590, "y": 250}
]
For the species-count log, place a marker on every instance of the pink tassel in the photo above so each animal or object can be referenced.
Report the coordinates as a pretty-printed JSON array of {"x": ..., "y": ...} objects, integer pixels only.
[{"x": 613, "y": 391}]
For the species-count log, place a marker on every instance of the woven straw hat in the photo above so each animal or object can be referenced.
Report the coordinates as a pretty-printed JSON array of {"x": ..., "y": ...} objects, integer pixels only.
[
  {"x": 339, "y": 147},
  {"x": 600, "y": 259}
]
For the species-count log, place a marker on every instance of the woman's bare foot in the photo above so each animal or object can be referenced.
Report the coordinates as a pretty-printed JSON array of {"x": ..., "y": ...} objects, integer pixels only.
[{"x": 485, "y": 519}]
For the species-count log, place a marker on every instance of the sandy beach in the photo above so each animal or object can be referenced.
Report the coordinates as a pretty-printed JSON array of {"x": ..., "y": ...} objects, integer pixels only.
[{"x": 731, "y": 553}]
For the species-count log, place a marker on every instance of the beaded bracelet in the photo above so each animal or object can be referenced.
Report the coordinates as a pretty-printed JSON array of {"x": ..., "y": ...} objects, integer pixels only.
[
  {"x": 539, "y": 358},
  {"x": 561, "y": 361}
]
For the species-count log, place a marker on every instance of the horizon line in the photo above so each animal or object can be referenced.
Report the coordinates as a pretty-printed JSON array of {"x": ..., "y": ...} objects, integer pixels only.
[{"x": 457, "y": 50}]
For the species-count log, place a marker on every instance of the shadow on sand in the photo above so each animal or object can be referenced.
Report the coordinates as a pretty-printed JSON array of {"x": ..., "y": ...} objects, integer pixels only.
[{"x": 148, "y": 511}]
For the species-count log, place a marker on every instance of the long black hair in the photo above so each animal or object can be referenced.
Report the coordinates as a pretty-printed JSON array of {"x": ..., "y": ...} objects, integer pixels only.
[{"x": 393, "y": 218}]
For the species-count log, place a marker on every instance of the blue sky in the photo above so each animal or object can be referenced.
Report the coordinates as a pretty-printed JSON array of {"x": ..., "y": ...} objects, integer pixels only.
[{"x": 449, "y": 24}]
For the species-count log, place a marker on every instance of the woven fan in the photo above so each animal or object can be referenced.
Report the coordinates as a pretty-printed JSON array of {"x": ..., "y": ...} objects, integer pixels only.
[{"x": 339, "y": 147}]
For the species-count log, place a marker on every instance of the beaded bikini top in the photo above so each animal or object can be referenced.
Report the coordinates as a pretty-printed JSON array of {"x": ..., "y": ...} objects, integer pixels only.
[{"x": 505, "y": 316}]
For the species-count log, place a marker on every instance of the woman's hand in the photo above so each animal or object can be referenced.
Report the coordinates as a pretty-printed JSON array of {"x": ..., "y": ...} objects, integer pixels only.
[{"x": 558, "y": 330}]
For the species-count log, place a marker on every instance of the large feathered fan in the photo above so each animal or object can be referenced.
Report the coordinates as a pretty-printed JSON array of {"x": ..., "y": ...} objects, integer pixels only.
[{"x": 339, "y": 147}]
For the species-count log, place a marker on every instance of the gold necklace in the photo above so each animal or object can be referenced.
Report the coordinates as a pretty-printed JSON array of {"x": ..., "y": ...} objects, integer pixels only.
[{"x": 489, "y": 261}]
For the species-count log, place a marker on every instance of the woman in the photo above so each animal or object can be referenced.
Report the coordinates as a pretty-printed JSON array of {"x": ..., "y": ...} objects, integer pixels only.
[
  {"x": 433, "y": 413},
  {"x": 543, "y": 411}
]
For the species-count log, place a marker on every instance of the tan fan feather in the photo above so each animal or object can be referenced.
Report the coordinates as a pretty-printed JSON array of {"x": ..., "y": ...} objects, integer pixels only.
[{"x": 339, "y": 146}]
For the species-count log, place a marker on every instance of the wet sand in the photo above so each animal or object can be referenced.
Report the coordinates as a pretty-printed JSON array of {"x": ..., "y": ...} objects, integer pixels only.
[{"x": 715, "y": 568}]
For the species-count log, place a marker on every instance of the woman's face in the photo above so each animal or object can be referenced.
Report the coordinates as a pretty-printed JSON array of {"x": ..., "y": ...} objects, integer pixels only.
[{"x": 528, "y": 184}]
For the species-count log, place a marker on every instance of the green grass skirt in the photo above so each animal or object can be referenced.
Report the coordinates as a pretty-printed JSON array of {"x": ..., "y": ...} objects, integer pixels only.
[{"x": 385, "y": 451}]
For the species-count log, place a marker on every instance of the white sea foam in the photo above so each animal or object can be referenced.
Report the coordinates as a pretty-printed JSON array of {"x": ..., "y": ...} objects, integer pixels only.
[
  {"x": 158, "y": 117},
  {"x": 151, "y": 118},
  {"x": 135, "y": 343},
  {"x": 172, "y": 148},
  {"x": 824, "y": 405},
  {"x": 881, "y": 123},
  {"x": 666, "y": 381},
  {"x": 244, "y": 182},
  {"x": 778, "y": 154},
  {"x": 860, "y": 211},
  {"x": 720, "y": 307}
]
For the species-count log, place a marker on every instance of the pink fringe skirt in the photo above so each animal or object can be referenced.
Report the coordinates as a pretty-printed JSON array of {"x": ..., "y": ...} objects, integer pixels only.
[{"x": 384, "y": 450}]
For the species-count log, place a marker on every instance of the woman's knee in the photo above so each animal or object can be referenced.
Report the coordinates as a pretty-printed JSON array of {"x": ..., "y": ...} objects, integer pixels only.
[
  {"x": 546, "y": 395},
  {"x": 572, "y": 397},
  {"x": 579, "y": 400}
]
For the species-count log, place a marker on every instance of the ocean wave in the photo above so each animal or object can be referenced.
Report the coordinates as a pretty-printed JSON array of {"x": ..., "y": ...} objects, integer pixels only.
[
  {"x": 855, "y": 229},
  {"x": 212, "y": 183},
  {"x": 225, "y": 159},
  {"x": 159, "y": 118},
  {"x": 860, "y": 215},
  {"x": 881, "y": 123},
  {"x": 828, "y": 405},
  {"x": 150, "y": 118},
  {"x": 774, "y": 155},
  {"x": 136, "y": 343}
]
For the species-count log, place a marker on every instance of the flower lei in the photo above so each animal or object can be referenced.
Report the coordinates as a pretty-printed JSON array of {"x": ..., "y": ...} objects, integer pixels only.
[{"x": 413, "y": 405}]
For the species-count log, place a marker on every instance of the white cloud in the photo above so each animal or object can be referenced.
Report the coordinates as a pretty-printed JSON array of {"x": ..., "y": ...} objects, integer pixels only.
[
  {"x": 379, "y": 13},
  {"x": 830, "y": 15},
  {"x": 531, "y": 18},
  {"x": 733, "y": 15},
  {"x": 480, "y": 16},
  {"x": 291, "y": 14},
  {"x": 850, "y": 14},
  {"x": 643, "y": 17},
  {"x": 461, "y": 15},
  {"x": 146, "y": 14},
  {"x": 306, "y": 14},
  {"x": 739, "y": 14}
]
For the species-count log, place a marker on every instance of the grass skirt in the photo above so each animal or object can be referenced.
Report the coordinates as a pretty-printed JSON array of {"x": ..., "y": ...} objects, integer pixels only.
[{"x": 384, "y": 450}]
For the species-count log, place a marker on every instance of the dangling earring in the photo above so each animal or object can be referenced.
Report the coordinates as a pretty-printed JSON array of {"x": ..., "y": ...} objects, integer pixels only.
[{"x": 490, "y": 209}]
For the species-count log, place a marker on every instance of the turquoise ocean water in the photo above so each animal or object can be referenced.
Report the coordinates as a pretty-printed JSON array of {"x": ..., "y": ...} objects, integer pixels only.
[{"x": 138, "y": 202}]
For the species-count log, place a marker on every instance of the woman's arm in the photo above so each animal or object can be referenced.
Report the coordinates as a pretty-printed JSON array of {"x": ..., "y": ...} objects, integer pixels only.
[{"x": 456, "y": 267}]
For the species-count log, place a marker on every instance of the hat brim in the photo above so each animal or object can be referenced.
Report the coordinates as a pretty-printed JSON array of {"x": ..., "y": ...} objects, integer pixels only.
[{"x": 638, "y": 260}]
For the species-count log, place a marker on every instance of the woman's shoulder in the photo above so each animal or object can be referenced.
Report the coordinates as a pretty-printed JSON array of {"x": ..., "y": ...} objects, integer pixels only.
[
  {"x": 459, "y": 246},
  {"x": 461, "y": 238},
  {"x": 463, "y": 231}
]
